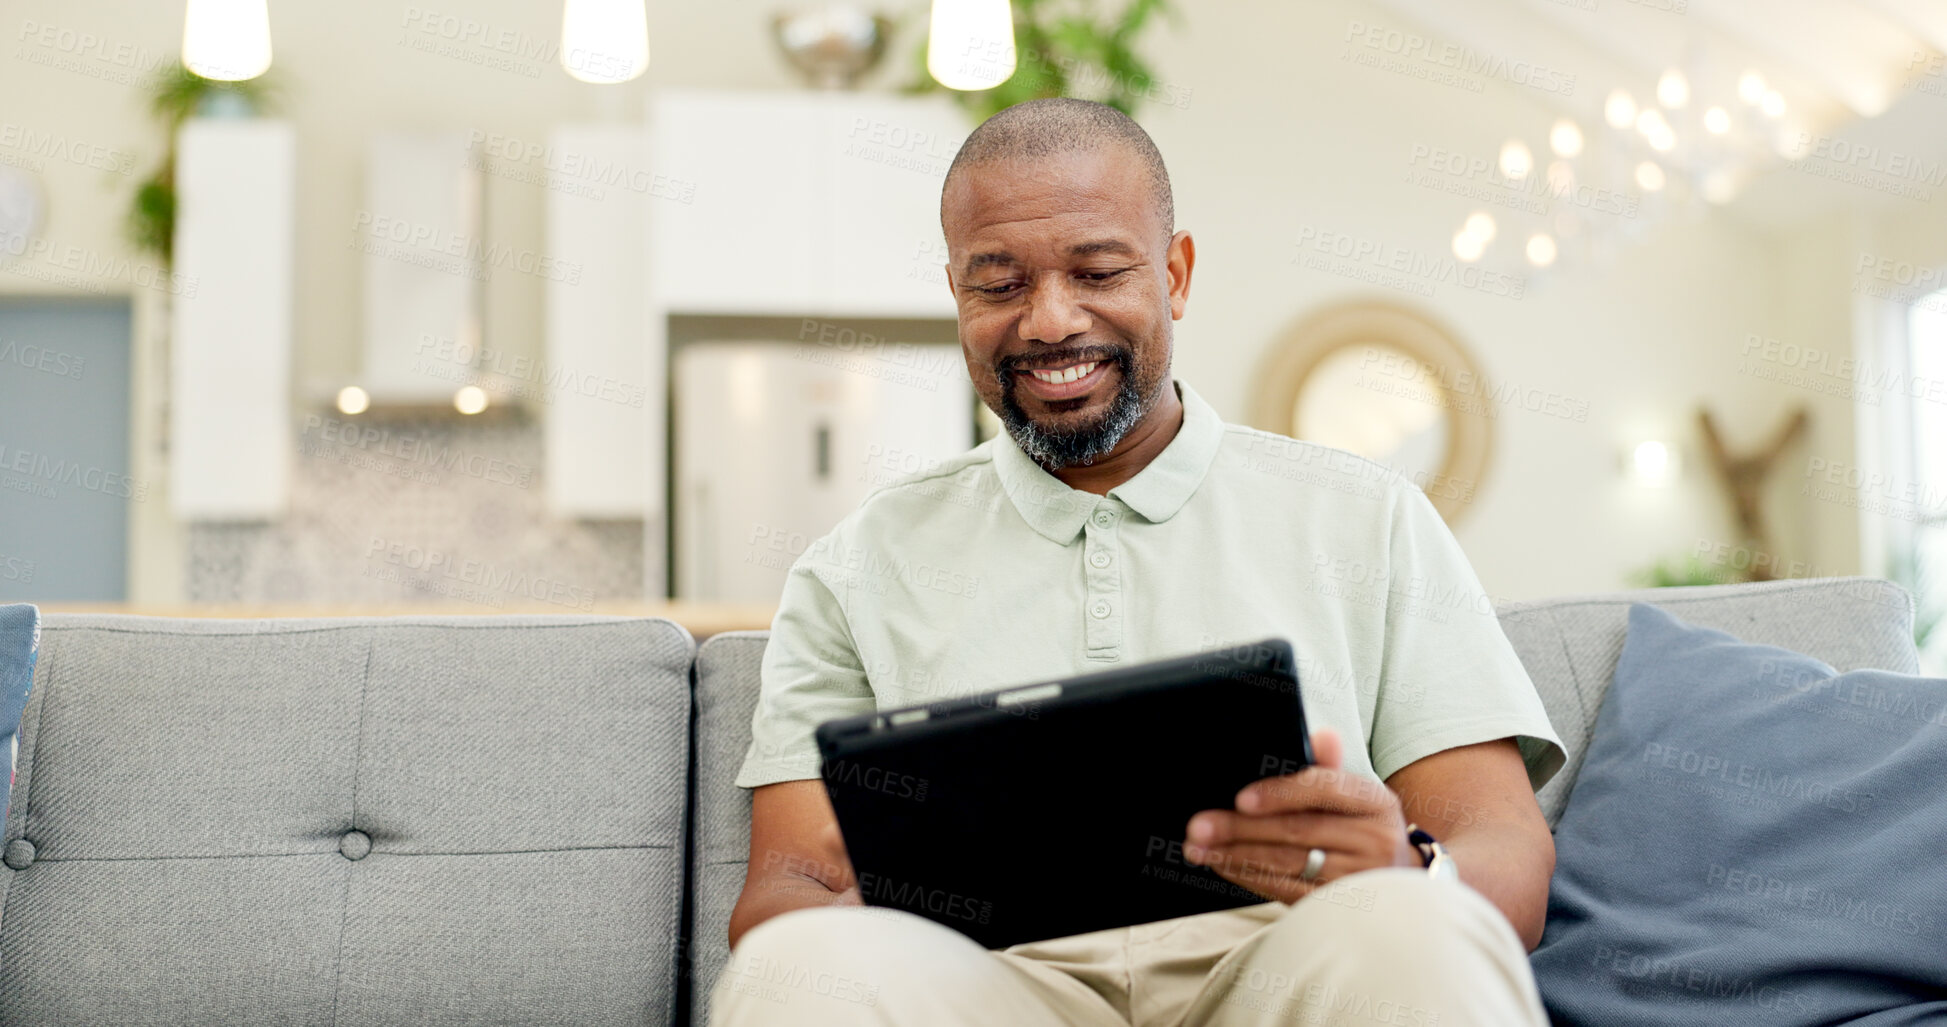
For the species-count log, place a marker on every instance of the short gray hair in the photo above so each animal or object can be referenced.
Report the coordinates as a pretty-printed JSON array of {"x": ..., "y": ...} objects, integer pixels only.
[{"x": 1044, "y": 128}]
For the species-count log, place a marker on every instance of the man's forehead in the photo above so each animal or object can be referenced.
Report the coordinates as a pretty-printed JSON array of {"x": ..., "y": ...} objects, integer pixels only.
[
  {"x": 1103, "y": 174},
  {"x": 1086, "y": 191}
]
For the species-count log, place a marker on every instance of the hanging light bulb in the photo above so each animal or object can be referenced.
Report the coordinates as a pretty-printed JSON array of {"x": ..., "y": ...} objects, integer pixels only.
[
  {"x": 970, "y": 44},
  {"x": 1656, "y": 130},
  {"x": 605, "y": 42},
  {"x": 1480, "y": 225},
  {"x": 1673, "y": 90},
  {"x": 1751, "y": 87},
  {"x": 1649, "y": 175},
  {"x": 1619, "y": 110},
  {"x": 1541, "y": 249},
  {"x": 1773, "y": 103},
  {"x": 1565, "y": 138},
  {"x": 1516, "y": 161},
  {"x": 227, "y": 40},
  {"x": 1468, "y": 246},
  {"x": 1717, "y": 121}
]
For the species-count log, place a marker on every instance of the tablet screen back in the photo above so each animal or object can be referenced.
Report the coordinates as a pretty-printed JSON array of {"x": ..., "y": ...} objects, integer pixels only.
[{"x": 1054, "y": 809}]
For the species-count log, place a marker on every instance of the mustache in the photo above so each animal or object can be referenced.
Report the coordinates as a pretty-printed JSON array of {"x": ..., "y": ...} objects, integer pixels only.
[{"x": 1061, "y": 358}]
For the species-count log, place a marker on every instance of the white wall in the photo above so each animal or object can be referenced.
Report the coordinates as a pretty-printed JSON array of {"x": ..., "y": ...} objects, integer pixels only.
[
  {"x": 1642, "y": 340},
  {"x": 1279, "y": 135}
]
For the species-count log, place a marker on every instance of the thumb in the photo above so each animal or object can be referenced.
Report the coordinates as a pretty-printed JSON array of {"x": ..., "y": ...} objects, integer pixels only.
[{"x": 1328, "y": 751}]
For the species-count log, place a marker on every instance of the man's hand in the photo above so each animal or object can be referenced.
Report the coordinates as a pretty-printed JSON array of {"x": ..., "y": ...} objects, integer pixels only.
[{"x": 1264, "y": 844}]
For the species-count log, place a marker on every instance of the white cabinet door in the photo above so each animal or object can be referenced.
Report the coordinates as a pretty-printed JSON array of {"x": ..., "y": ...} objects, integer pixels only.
[
  {"x": 599, "y": 383},
  {"x": 230, "y": 383},
  {"x": 889, "y": 157},
  {"x": 801, "y": 203},
  {"x": 748, "y": 239},
  {"x": 425, "y": 258},
  {"x": 775, "y": 445}
]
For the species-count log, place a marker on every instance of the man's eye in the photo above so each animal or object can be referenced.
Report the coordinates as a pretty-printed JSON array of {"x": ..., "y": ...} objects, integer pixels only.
[
  {"x": 997, "y": 290},
  {"x": 1102, "y": 276}
]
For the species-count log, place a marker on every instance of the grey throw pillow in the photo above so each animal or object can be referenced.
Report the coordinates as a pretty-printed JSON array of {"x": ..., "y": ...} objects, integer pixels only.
[
  {"x": 20, "y": 636},
  {"x": 1753, "y": 839}
]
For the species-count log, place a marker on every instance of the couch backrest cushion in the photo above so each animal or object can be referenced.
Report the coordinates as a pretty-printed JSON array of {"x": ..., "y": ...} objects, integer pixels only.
[
  {"x": 726, "y": 693},
  {"x": 1570, "y": 645},
  {"x": 352, "y": 821}
]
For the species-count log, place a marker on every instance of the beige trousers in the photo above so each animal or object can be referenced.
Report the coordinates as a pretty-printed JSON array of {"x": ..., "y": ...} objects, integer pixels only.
[{"x": 1389, "y": 947}]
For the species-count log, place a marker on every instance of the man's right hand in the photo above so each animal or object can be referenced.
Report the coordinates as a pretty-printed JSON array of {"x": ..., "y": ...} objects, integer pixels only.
[{"x": 797, "y": 856}]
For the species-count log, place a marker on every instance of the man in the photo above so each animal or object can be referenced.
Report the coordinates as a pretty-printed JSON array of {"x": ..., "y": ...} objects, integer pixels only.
[{"x": 1119, "y": 521}]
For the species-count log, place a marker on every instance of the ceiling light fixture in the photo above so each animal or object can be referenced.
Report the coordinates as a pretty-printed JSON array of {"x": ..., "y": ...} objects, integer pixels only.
[
  {"x": 1480, "y": 225},
  {"x": 1541, "y": 250},
  {"x": 1565, "y": 138},
  {"x": 226, "y": 40},
  {"x": 1516, "y": 161},
  {"x": 970, "y": 43},
  {"x": 1751, "y": 87},
  {"x": 1673, "y": 90},
  {"x": 604, "y": 42},
  {"x": 1619, "y": 110}
]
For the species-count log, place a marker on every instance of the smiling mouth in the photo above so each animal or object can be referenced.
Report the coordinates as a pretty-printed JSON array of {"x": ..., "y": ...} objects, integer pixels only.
[
  {"x": 1063, "y": 375},
  {"x": 1066, "y": 384}
]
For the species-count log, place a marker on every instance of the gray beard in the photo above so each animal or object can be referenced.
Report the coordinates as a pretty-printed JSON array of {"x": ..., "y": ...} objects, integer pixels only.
[{"x": 1057, "y": 449}]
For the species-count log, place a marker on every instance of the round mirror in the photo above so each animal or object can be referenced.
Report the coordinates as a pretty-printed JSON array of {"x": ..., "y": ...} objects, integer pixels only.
[{"x": 1388, "y": 384}]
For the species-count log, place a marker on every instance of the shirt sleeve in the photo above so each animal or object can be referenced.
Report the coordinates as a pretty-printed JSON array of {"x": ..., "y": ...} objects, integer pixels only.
[
  {"x": 811, "y": 673},
  {"x": 1448, "y": 675}
]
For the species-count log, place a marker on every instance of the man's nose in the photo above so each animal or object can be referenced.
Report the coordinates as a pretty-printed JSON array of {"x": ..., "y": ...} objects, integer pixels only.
[{"x": 1053, "y": 313}]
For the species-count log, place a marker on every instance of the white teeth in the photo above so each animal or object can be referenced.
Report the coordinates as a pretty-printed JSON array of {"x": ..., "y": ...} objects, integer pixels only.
[{"x": 1066, "y": 374}]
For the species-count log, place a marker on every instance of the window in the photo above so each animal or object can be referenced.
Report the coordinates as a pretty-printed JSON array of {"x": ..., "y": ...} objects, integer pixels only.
[{"x": 1925, "y": 551}]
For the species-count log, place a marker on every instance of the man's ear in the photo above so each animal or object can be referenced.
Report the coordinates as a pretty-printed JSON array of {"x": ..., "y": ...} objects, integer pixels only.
[{"x": 1182, "y": 259}]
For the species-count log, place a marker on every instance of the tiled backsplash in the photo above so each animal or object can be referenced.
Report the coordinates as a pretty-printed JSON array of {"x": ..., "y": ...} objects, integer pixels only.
[{"x": 396, "y": 508}]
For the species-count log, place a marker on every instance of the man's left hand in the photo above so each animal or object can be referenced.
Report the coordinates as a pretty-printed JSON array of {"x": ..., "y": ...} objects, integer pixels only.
[{"x": 1263, "y": 844}]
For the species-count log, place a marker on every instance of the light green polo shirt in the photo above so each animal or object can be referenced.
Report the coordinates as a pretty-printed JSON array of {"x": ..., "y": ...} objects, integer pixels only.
[{"x": 987, "y": 571}]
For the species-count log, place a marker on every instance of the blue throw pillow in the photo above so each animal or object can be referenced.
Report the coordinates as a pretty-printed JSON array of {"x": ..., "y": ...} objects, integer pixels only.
[
  {"x": 20, "y": 638},
  {"x": 1755, "y": 838}
]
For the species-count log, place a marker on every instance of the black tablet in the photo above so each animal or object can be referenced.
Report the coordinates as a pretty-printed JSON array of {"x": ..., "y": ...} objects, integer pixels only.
[{"x": 1056, "y": 808}]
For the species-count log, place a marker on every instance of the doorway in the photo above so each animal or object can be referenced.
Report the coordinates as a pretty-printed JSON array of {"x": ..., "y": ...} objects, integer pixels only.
[{"x": 65, "y": 487}]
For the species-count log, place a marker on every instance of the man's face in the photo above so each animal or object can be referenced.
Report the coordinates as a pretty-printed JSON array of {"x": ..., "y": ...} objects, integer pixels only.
[{"x": 1066, "y": 287}]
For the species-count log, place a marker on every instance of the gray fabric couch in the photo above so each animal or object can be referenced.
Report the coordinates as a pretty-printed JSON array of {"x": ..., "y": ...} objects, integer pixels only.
[{"x": 495, "y": 820}]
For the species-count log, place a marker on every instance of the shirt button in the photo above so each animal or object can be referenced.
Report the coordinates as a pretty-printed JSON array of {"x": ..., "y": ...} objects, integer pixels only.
[
  {"x": 1100, "y": 610},
  {"x": 1104, "y": 518},
  {"x": 1099, "y": 559}
]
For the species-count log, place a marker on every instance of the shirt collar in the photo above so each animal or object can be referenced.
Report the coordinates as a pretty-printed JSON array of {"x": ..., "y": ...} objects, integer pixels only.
[{"x": 1157, "y": 491}]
